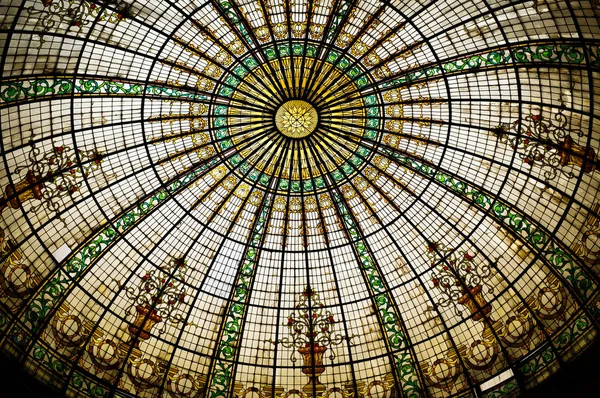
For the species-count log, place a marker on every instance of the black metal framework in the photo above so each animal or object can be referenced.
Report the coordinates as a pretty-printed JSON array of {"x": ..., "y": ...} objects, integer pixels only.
[{"x": 451, "y": 92}]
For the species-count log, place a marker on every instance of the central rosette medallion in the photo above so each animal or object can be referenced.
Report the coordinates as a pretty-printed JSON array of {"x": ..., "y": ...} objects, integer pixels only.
[{"x": 296, "y": 118}]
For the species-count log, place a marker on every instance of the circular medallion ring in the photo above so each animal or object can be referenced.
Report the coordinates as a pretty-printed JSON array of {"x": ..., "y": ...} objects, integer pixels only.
[{"x": 296, "y": 118}]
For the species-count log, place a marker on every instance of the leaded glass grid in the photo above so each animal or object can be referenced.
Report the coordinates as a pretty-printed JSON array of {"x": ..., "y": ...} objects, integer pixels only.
[{"x": 299, "y": 198}]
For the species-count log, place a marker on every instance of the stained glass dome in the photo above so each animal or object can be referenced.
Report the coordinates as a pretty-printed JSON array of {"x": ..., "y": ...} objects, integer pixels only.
[{"x": 299, "y": 198}]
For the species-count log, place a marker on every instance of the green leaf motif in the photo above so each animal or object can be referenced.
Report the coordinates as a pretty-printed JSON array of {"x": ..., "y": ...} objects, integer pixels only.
[
  {"x": 37, "y": 88},
  {"x": 543, "y": 53},
  {"x": 555, "y": 255},
  {"x": 391, "y": 321},
  {"x": 45, "y": 299}
]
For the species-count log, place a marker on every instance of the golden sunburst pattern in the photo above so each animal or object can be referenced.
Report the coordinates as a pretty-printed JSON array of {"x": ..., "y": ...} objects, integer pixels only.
[{"x": 323, "y": 113}]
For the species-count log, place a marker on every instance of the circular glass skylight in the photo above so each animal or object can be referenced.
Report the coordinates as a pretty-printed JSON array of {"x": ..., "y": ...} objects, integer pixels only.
[{"x": 337, "y": 198}]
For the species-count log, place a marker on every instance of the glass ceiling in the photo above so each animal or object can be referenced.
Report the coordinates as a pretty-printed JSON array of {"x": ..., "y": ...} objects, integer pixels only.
[{"x": 295, "y": 199}]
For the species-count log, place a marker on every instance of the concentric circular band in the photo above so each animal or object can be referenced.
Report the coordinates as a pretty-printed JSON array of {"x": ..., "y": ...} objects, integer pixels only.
[{"x": 345, "y": 122}]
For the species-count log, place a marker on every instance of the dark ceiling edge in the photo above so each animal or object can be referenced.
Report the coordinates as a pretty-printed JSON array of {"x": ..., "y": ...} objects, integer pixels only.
[
  {"x": 579, "y": 379},
  {"x": 17, "y": 382}
]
